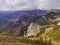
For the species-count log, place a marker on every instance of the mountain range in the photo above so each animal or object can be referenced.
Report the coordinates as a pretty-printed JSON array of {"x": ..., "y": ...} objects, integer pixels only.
[
  {"x": 13, "y": 14},
  {"x": 18, "y": 21}
]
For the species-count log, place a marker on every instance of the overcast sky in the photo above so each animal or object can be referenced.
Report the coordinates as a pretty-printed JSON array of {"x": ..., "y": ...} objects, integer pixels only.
[{"x": 7, "y": 5}]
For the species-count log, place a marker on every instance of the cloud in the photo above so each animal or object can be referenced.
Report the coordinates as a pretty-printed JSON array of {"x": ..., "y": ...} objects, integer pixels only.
[
  {"x": 8, "y": 5},
  {"x": 48, "y": 4},
  {"x": 17, "y": 5}
]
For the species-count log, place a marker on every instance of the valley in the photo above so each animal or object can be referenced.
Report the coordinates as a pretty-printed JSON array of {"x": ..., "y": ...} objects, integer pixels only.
[{"x": 30, "y": 28}]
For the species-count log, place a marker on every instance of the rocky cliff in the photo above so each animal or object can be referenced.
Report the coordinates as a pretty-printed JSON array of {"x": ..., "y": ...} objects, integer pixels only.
[{"x": 33, "y": 29}]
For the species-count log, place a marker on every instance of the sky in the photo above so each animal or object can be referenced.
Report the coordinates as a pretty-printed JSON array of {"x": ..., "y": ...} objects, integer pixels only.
[{"x": 8, "y": 5}]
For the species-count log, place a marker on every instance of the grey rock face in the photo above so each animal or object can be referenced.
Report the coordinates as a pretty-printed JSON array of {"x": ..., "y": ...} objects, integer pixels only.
[{"x": 33, "y": 29}]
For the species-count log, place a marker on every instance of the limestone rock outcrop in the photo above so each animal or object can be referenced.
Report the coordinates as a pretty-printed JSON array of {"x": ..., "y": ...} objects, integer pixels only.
[{"x": 33, "y": 29}]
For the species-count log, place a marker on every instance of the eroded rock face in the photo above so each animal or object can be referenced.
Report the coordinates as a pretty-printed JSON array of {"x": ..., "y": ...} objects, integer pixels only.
[
  {"x": 58, "y": 24},
  {"x": 33, "y": 29}
]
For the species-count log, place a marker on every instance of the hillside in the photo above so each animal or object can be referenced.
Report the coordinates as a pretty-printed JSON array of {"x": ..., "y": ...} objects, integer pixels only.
[
  {"x": 34, "y": 25},
  {"x": 23, "y": 21}
]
